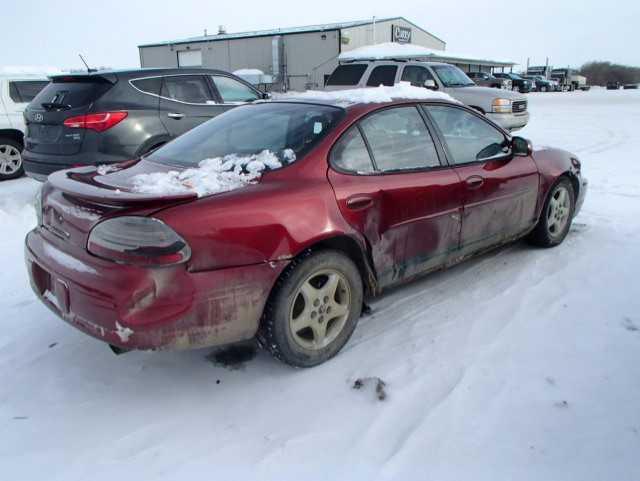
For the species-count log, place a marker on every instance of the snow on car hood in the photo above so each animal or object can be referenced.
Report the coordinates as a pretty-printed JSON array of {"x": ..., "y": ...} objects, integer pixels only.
[
  {"x": 215, "y": 175},
  {"x": 369, "y": 95}
]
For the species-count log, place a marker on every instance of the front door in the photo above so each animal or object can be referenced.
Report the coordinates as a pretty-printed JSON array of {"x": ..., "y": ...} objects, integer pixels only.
[
  {"x": 392, "y": 187},
  {"x": 186, "y": 102},
  {"x": 500, "y": 190}
]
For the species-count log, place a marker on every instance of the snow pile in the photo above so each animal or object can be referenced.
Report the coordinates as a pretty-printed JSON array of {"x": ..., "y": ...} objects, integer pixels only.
[
  {"x": 43, "y": 70},
  {"x": 406, "y": 50},
  {"x": 248, "y": 71},
  {"x": 381, "y": 94},
  {"x": 105, "y": 169},
  {"x": 219, "y": 174}
]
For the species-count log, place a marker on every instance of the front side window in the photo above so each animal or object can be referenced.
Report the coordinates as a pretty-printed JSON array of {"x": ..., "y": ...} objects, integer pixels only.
[
  {"x": 231, "y": 90},
  {"x": 191, "y": 89},
  {"x": 452, "y": 76},
  {"x": 383, "y": 75},
  {"x": 282, "y": 128},
  {"x": 399, "y": 140},
  {"x": 416, "y": 75},
  {"x": 468, "y": 138},
  {"x": 350, "y": 153}
]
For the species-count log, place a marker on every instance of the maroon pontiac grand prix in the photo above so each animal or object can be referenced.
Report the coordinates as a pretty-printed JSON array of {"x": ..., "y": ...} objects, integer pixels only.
[{"x": 357, "y": 198}]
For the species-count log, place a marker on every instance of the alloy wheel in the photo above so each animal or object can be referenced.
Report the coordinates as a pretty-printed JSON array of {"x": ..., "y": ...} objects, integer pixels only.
[
  {"x": 320, "y": 309},
  {"x": 558, "y": 211},
  {"x": 10, "y": 159}
]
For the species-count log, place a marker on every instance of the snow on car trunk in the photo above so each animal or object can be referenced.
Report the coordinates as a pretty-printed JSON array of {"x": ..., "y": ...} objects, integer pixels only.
[{"x": 220, "y": 174}]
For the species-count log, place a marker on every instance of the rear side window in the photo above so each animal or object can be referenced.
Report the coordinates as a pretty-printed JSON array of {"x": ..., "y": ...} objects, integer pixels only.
[
  {"x": 192, "y": 89},
  {"x": 382, "y": 75},
  {"x": 231, "y": 90},
  {"x": 399, "y": 140},
  {"x": 148, "y": 85},
  {"x": 24, "y": 91},
  {"x": 350, "y": 153},
  {"x": 73, "y": 93},
  {"x": 347, "y": 74},
  {"x": 416, "y": 75}
]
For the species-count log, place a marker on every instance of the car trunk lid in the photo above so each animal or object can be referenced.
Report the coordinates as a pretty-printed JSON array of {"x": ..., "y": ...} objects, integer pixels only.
[{"x": 65, "y": 97}]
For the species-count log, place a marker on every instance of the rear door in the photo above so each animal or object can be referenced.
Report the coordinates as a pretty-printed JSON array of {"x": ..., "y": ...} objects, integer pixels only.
[
  {"x": 61, "y": 99},
  {"x": 186, "y": 101},
  {"x": 500, "y": 190},
  {"x": 392, "y": 187}
]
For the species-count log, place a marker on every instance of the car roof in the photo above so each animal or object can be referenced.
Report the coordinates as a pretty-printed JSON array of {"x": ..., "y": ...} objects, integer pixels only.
[
  {"x": 141, "y": 72},
  {"x": 394, "y": 60}
]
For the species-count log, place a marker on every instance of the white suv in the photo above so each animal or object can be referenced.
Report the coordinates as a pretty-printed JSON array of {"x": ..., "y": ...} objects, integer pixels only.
[{"x": 16, "y": 91}]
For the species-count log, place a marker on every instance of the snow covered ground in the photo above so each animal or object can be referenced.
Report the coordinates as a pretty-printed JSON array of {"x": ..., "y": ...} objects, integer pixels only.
[{"x": 521, "y": 365}]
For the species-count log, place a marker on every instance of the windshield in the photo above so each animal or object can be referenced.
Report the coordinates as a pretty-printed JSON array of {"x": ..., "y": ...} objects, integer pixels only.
[
  {"x": 281, "y": 128},
  {"x": 451, "y": 76}
]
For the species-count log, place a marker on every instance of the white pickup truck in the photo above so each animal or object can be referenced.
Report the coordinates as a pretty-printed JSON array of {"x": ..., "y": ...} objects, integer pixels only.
[{"x": 16, "y": 91}]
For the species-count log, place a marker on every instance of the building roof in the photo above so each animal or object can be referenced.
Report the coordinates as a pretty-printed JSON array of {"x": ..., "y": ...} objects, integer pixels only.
[
  {"x": 281, "y": 31},
  {"x": 408, "y": 51}
]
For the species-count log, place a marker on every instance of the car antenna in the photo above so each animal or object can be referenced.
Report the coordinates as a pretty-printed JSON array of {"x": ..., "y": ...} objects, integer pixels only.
[{"x": 89, "y": 69}]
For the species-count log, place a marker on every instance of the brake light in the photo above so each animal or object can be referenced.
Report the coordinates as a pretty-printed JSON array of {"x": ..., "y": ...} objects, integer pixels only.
[
  {"x": 99, "y": 122},
  {"x": 138, "y": 240}
]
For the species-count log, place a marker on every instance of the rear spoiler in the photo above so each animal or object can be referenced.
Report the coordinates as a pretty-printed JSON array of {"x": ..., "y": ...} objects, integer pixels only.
[
  {"x": 99, "y": 77},
  {"x": 80, "y": 183}
]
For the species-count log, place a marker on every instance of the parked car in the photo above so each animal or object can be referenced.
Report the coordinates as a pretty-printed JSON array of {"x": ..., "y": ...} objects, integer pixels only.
[
  {"x": 484, "y": 79},
  {"x": 507, "y": 109},
  {"x": 110, "y": 116},
  {"x": 171, "y": 251},
  {"x": 16, "y": 91},
  {"x": 630, "y": 86},
  {"x": 613, "y": 85},
  {"x": 540, "y": 83},
  {"x": 520, "y": 84}
]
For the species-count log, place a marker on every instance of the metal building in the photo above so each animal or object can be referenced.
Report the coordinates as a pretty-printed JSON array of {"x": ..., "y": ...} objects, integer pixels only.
[{"x": 298, "y": 58}]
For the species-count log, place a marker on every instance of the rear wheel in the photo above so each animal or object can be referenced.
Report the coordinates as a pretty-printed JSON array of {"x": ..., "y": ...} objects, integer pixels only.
[
  {"x": 557, "y": 214},
  {"x": 10, "y": 159},
  {"x": 313, "y": 310}
]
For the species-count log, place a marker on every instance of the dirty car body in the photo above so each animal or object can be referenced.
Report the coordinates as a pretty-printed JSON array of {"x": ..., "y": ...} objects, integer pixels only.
[{"x": 394, "y": 222}]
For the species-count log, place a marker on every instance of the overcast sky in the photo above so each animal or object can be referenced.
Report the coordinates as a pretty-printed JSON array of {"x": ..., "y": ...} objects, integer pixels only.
[{"x": 570, "y": 32}]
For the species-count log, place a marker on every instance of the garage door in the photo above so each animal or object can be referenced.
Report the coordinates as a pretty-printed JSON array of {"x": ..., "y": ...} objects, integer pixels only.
[{"x": 190, "y": 58}]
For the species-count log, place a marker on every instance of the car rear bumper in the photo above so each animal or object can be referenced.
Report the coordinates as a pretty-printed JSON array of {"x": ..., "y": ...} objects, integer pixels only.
[
  {"x": 39, "y": 166},
  {"x": 148, "y": 308},
  {"x": 510, "y": 121}
]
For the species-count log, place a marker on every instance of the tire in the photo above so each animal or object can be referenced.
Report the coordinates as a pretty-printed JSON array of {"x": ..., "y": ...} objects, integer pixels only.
[
  {"x": 10, "y": 159},
  {"x": 556, "y": 216},
  {"x": 543, "y": 89},
  {"x": 302, "y": 297}
]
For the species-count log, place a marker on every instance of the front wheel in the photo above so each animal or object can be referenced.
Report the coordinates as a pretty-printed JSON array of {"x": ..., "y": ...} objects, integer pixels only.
[
  {"x": 313, "y": 310},
  {"x": 557, "y": 214},
  {"x": 10, "y": 159}
]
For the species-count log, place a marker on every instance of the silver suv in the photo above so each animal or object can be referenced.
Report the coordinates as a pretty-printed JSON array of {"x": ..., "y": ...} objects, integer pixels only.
[{"x": 505, "y": 108}]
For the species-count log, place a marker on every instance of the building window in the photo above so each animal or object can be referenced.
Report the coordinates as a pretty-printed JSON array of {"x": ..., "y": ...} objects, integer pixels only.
[{"x": 189, "y": 58}]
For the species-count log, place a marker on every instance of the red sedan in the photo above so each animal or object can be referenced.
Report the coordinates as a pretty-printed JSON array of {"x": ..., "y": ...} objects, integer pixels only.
[{"x": 277, "y": 220}]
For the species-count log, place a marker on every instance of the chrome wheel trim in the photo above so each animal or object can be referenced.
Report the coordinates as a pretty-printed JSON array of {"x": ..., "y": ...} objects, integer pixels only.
[
  {"x": 10, "y": 159},
  {"x": 558, "y": 211},
  {"x": 320, "y": 309}
]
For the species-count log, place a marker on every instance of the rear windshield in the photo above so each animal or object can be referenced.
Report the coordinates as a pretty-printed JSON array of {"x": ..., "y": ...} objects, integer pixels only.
[
  {"x": 71, "y": 94},
  {"x": 251, "y": 129},
  {"x": 347, "y": 74}
]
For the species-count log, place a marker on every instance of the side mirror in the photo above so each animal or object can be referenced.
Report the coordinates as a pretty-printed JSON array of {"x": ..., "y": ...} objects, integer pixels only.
[
  {"x": 266, "y": 95},
  {"x": 521, "y": 147},
  {"x": 430, "y": 84}
]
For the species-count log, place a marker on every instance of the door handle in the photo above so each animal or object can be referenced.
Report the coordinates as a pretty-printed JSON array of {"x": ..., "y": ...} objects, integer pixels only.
[
  {"x": 358, "y": 202},
  {"x": 175, "y": 115},
  {"x": 474, "y": 182}
]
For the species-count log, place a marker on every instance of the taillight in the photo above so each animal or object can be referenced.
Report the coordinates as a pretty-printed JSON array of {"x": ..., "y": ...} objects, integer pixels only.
[
  {"x": 99, "y": 122},
  {"x": 138, "y": 240}
]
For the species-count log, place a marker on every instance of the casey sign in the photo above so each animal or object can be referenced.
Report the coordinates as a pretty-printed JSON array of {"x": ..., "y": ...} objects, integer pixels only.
[{"x": 400, "y": 34}]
